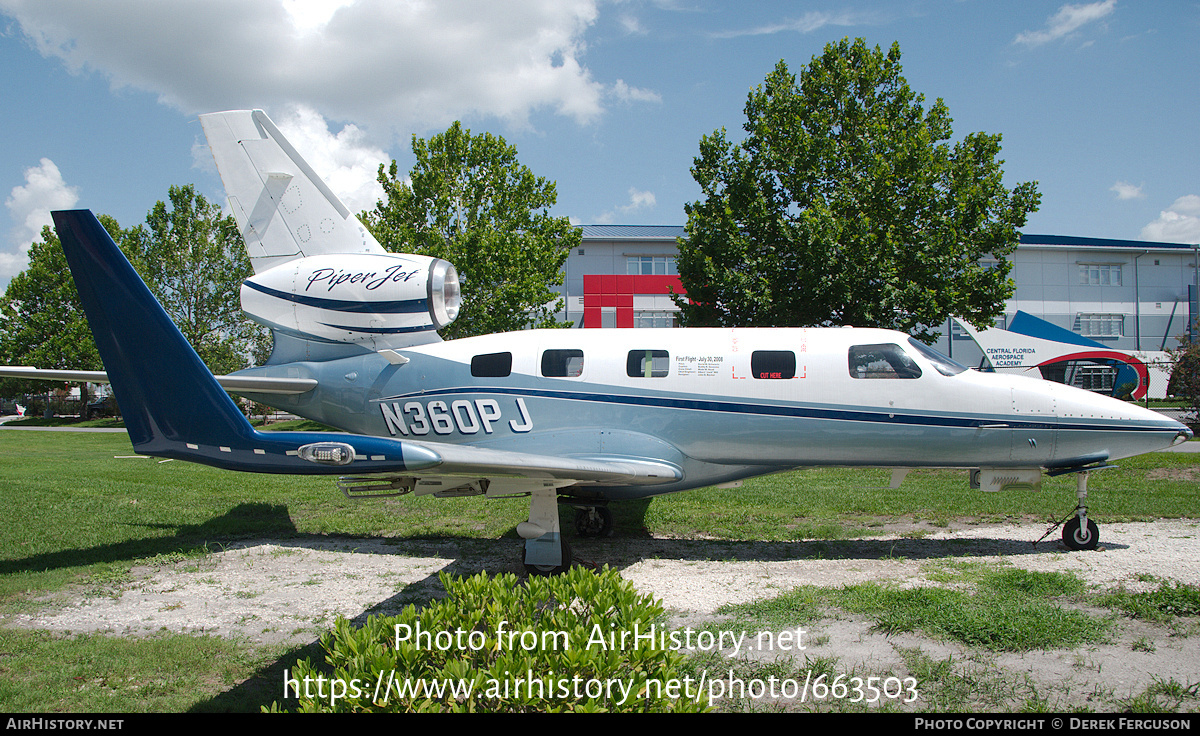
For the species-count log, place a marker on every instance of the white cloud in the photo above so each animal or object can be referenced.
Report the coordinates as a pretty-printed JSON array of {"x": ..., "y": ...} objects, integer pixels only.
[
  {"x": 310, "y": 16},
  {"x": 29, "y": 206},
  {"x": 392, "y": 66},
  {"x": 344, "y": 160},
  {"x": 1066, "y": 21},
  {"x": 625, "y": 93},
  {"x": 202, "y": 158},
  {"x": 638, "y": 201},
  {"x": 807, "y": 23},
  {"x": 1125, "y": 190},
  {"x": 1180, "y": 223},
  {"x": 631, "y": 24}
]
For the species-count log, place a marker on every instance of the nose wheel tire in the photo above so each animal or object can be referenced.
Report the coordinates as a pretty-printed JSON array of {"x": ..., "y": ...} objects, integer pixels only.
[{"x": 1076, "y": 536}]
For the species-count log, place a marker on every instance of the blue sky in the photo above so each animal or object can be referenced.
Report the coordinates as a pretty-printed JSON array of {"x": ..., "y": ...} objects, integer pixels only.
[{"x": 1096, "y": 101}]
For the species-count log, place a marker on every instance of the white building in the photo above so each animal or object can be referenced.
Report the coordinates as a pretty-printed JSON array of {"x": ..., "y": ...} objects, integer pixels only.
[{"x": 1127, "y": 294}]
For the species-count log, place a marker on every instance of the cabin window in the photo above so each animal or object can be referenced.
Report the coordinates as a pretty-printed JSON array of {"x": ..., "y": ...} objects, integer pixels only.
[
  {"x": 882, "y": 361},
  {"x": 773, "y": 364},
  {"x": 562, "y": 363},
  {"x": 647, "y": 364},
  {"x": 491, "y": 365}
]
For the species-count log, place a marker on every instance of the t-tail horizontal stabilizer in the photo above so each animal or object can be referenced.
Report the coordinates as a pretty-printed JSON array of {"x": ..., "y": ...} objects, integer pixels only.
[{"x": 172, "y": 405}]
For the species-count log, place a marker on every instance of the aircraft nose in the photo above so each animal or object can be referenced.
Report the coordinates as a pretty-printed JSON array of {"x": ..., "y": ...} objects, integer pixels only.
[
  {"x": 1183, "y": 433},
  {"x": 1126, "y": 429}
]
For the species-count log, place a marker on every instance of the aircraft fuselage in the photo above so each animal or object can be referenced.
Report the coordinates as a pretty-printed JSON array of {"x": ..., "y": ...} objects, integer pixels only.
[{"x": 722, "y": 404}]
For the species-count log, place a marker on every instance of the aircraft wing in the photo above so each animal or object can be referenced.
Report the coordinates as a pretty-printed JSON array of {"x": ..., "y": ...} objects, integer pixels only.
[
  {"x": 236, "y": 384},
  {"x": 468, "y": 460},
  {"x": 465, "y": 469}
]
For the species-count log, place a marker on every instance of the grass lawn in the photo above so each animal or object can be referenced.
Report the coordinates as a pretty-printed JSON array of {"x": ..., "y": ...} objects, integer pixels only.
[{"x": 80, "y": 509}]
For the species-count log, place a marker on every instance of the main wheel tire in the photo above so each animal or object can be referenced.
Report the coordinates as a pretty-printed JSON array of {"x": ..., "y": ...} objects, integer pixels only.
[
  {"x": 600, "y": 525},
  {"x": 552, "y": 569},
  {"x": 1075, "y": 537}
]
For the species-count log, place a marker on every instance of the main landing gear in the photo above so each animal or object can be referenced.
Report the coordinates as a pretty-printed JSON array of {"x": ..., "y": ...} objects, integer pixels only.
[
  {"x": 546, "y": 552},
  {"x": 593, "y": 521},
  {"x": 562, "y": 566}
]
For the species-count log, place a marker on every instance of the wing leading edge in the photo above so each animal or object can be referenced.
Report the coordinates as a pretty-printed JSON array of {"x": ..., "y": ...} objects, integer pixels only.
[{"x": 174, "y": 407}]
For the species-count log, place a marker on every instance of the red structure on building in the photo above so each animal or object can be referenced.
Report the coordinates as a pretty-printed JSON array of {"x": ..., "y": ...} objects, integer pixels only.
[{"x": 602, "y": 292}]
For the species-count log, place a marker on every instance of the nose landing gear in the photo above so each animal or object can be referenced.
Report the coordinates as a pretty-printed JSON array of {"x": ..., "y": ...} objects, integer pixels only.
[{"x": 1079, "y": 532}]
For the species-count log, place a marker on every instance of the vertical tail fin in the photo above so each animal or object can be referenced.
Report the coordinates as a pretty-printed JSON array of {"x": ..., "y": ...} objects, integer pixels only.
[
  {"x": 172, "y": 404},
  {"x": 283, "y": 208},
  {"x": 297, "y": 233},
  {"x": 118, "y": 305}
]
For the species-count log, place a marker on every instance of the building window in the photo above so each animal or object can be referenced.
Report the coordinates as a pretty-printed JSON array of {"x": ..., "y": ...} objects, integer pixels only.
[
  {"x": 650, "y": 266},
  {"x": 1095, "y": 378},
  {"x": 1100, "y": 274},
  {"x": 647, "y": 364},
  {"x": 958, "y": 333},
  {"x": 660, "y": 318},
  {"x": 1100, "y": 325}
]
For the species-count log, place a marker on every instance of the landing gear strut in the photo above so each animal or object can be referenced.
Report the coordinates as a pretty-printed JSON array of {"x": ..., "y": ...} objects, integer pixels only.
[
  {"x": 1081, "y": 532},
  {"x": 546, "y": 552},
  {"x": 552, "y": 569}
]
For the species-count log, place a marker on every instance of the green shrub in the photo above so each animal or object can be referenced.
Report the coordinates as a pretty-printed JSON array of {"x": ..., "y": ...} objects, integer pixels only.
[{"x": 503, "y": 645}]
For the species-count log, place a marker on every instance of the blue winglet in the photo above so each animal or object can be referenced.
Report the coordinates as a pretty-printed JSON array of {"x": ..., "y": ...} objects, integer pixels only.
[{"x": 172, "y": 405}]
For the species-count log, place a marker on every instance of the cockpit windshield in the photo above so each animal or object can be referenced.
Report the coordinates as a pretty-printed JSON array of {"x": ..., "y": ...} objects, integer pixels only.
[
  {"x": 885, "y": 360},
  {"x": 945, "y": 366}
]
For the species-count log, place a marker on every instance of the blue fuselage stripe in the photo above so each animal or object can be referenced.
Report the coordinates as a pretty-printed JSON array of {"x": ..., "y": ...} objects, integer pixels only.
[
  {"x": 404, "y": 306},
  {"x": 380, "y": 330},
  {"x": 788, "y": 410}
]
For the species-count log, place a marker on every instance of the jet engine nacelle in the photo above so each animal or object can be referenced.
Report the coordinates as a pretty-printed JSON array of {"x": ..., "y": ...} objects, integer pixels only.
[{"x": 376, "y": 299}]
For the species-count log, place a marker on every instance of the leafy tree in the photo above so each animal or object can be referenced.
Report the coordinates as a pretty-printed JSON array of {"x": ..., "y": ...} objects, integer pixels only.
[
  {"x": 41, "y": 321},
  {"x": 194, "y": 261},
  {"x": 190, "y": 256},
  {"x": 468, "y": 200},
  {"x": 845, "y": 205},
  {"x": 1185, "y": 375}
]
